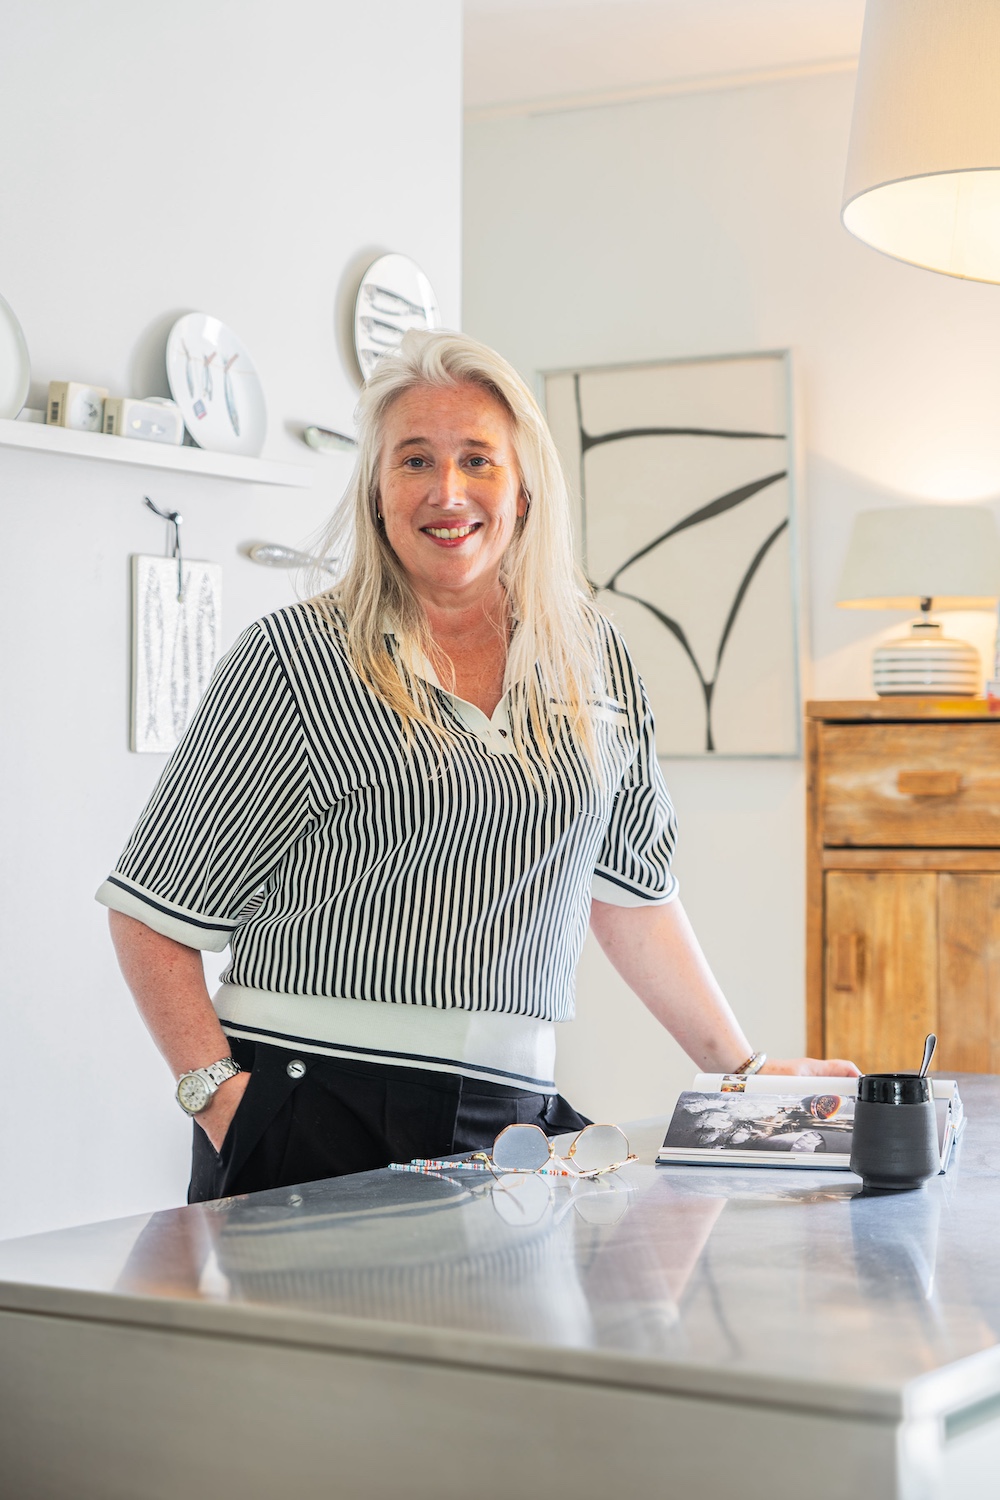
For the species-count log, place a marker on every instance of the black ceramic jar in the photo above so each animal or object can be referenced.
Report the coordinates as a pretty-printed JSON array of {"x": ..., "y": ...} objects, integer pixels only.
[{"x": 894, "y": 1146}]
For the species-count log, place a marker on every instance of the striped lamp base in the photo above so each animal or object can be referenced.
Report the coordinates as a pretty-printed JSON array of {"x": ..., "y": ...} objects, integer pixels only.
[{"x": 927, "y": 663}]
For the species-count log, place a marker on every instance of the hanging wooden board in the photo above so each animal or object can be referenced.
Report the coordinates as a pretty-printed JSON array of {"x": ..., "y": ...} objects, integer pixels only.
[{"x": 175, "y": 645}]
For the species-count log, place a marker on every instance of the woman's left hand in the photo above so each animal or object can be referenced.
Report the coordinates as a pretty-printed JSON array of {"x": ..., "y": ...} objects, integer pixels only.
[{"x": 812, "y": 1067}]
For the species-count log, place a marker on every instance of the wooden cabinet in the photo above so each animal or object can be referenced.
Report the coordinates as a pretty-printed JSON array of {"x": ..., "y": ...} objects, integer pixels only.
[{"x": 903, "y": 882}]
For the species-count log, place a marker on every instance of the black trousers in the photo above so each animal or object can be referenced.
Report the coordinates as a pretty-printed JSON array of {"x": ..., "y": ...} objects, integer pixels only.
[{"x": 337, "y": 1117}]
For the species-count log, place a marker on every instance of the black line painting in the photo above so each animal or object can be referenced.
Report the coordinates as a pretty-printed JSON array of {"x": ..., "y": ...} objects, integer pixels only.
[{"x": 684, "y": 524}]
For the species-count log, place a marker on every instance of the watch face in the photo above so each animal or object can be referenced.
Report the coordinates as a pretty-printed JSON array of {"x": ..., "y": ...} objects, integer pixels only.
[{"x": 193, "y": 1093}]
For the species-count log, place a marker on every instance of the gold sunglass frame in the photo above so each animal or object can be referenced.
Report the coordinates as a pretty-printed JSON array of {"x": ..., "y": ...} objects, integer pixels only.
[{"x": 566, "y": 1158}]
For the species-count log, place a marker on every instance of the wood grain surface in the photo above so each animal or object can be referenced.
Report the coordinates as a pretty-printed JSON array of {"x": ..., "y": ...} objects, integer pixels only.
[
  {"x": 903, "y": 882},
  {"x": 910, "y": 784},
  {"x": 969, "y": 973},
  {"x": 882, "y": 991},
  {"x": 900, "y": 710},
  {"x": 910, "y": 859}
]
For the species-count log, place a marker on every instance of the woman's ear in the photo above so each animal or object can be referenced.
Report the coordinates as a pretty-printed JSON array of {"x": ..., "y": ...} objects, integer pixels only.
[{"x": 523, "y": 503}]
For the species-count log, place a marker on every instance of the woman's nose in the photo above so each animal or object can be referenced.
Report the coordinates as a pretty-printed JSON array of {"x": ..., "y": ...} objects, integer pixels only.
[{"x": 450, "y": 486}]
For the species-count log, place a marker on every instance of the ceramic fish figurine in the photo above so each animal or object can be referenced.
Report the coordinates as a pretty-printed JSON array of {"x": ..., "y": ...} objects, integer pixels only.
[{"x": 325, "y": 440}]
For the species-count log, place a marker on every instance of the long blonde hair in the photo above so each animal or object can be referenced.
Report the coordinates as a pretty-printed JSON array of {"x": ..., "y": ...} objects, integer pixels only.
[{"x": 554, "y": 654}]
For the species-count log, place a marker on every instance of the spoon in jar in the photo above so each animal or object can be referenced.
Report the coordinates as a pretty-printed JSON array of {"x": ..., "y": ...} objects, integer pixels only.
[{"x": 930, "y": 1042}]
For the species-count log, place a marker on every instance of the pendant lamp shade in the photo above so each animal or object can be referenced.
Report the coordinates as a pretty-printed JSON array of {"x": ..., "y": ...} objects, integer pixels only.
[{"x": 923, "y": 167}]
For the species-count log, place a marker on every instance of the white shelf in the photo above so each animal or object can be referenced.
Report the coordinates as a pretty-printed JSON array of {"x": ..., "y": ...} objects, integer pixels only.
[{"x": 146, "y": 455}]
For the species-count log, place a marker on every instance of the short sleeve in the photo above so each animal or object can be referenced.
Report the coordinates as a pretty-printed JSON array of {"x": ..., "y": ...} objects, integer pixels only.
[
  {"x": 634, "y": 865},
  {"x": 233, "y": 798}
]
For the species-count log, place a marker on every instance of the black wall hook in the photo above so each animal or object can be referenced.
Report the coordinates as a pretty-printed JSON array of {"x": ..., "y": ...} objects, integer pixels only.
[{"x": 174, "y": 519}]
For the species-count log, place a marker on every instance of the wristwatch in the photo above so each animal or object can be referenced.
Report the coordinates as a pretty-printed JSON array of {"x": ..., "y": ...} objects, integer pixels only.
[{"x": 195, "y": 1089}]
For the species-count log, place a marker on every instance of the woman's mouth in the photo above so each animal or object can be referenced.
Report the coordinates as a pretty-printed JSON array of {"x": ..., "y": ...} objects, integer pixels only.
[{"x": 451, "y": 533}]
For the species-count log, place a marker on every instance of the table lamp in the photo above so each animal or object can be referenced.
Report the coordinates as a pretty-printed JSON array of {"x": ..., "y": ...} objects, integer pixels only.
[{"x": 919, "y": 556}]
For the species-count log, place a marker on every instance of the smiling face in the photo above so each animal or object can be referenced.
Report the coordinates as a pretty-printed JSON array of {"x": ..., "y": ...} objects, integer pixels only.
[{"x": 449, "y": 491}]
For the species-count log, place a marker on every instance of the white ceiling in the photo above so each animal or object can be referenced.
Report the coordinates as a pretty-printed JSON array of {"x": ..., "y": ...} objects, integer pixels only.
[{"x": 541, "y": 50}]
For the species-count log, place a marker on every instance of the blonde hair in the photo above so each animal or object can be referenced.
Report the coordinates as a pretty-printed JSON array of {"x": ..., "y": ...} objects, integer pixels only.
[{"x": 554, "y": 655}]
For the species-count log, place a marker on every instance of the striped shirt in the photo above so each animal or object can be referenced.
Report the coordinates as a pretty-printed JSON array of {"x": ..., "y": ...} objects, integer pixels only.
[{"x": 402, "y": 904}]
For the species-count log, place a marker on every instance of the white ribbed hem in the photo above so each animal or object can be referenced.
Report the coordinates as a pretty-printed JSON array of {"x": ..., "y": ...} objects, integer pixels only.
[
  {"x": 165, "y": 917},
  {"x": 516, "y": 1050}
]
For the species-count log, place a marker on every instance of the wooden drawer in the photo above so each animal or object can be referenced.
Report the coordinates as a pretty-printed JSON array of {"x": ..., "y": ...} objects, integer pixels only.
[{"x": 926, "y": 784}]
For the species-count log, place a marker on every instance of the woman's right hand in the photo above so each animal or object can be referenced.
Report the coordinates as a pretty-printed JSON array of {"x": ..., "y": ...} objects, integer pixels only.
[{"x": 216, "y": 1118}]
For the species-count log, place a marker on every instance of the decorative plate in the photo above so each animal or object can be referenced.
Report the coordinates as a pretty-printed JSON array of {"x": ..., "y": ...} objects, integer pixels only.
[
  {"x": 213, "y": 380},
  {"x": 15, "y": 371},
  {"x": 394, "y": 296}
]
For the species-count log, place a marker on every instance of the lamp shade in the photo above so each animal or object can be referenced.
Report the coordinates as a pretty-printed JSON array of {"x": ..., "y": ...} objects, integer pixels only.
[
  {"x": 923, "y": 168},
  {"x": 898, "y": 557}
]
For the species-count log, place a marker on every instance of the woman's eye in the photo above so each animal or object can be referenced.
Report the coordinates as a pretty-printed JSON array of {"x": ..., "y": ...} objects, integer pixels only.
[
  {"x": 478, "y": 461},
  {"x": 414, "y": 462}
]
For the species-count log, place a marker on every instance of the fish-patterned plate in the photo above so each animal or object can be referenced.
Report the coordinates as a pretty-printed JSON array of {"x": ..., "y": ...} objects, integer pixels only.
[
  {"x": 213, "y": 380},
  {"x": 15, "y": 372},
  {"x": 394, "y": 296}
]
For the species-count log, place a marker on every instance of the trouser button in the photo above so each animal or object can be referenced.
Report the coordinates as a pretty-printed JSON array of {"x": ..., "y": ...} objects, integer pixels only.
[{"x": 296, "y": 1068}]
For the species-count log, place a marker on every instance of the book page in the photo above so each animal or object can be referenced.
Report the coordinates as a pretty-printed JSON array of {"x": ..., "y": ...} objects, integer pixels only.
[
  {"x": 778, "y": 1083},
  {"x": 813, "y": 1125}
]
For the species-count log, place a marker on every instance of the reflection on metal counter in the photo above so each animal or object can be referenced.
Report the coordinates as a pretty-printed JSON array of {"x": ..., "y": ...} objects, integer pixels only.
[{"x": 422, "y": 1334}]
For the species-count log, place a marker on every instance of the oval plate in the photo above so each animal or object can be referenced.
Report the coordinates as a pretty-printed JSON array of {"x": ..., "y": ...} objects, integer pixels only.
[
  {"x": 15, "y": 370},
  {"x": 394, "y": 296},
  {"x": 213, "y": 380}
]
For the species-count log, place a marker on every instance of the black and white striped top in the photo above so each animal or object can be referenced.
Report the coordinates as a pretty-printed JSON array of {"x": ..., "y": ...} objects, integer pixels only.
[{"x": 293, "y": 824}]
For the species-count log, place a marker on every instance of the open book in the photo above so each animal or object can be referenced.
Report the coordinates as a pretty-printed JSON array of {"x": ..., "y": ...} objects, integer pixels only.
[{"x": 774, "y": 1121}]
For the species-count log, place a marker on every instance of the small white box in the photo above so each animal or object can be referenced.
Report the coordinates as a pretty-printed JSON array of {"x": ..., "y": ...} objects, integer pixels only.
[
  {"x": 72, "y": 404},
  {"x": 153, "y": 418}
]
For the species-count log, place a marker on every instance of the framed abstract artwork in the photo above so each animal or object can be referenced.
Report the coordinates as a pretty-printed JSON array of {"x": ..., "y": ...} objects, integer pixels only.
[
  {"x": 682, "y": 477},
  {"x": 176, "y": 628}
]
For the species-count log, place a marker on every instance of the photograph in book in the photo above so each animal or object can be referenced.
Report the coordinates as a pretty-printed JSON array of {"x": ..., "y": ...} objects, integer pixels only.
[{"x": 808, "y": 1125}]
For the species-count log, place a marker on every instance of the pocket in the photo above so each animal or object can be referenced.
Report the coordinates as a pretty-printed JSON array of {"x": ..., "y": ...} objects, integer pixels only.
[
  {"x": 558, "y": 1117},
  {"x": 225, "y": 1150},
  {"x": 269, "y": 1089},
  {"x": 245, "y": 1054}
]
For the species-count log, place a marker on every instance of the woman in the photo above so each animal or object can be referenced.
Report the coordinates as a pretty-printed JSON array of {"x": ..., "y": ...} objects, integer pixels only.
[{"x": 399, "y": 803}]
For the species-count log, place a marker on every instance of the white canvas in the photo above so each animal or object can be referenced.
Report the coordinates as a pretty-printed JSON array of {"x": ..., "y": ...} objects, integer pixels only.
[
  {"x": 175, "y": 645},
  {"x": 681, "y": 473}
]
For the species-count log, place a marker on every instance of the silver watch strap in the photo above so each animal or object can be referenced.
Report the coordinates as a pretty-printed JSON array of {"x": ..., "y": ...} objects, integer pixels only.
[{"x": 218, "y": 1072}]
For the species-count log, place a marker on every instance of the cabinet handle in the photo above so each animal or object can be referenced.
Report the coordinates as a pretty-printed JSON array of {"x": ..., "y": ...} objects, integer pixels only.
[
  {"x": 928, "y": 783},
  {"x": 847, "y": 954}
]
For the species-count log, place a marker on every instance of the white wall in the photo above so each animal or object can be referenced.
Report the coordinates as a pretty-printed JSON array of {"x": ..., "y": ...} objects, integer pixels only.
[
  {"x": 241, "y": 158},
  {"x": 708, "y": 224}
]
